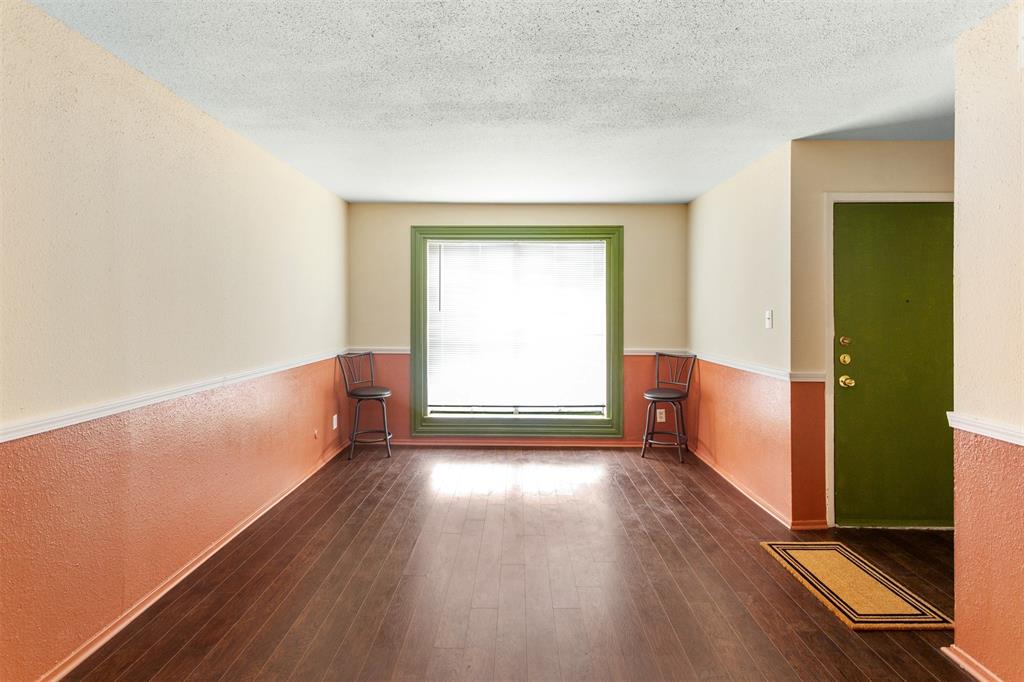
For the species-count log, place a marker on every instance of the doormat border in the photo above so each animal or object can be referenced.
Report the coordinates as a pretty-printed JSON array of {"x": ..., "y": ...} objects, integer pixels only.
[{"x": 929, "y": 618}]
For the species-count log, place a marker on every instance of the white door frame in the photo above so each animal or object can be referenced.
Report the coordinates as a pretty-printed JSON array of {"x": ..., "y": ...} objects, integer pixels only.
[{"x": 831, "y": 199}]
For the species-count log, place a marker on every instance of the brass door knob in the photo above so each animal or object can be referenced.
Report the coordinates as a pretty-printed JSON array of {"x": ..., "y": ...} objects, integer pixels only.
[{"x": 846, "y": 381}]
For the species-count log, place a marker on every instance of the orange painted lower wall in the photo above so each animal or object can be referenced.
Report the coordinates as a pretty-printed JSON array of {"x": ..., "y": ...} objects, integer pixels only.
[
  {"x": 97, "y": 516},
  {"x": 740, "y": 425},
  {"x": 988, "y": 509},
  {"x": 807, "y": 414},
  {"x": 394, "y": 371}
]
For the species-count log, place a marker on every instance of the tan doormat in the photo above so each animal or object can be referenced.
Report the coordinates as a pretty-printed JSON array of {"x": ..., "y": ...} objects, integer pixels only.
[{"x": 854, "y": 589}]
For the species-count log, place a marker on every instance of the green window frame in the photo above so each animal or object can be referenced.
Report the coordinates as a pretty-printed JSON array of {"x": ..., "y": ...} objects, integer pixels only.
[{"x": 609, "y": 426}]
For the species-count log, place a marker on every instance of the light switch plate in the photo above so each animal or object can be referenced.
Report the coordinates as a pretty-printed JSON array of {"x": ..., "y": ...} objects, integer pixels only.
[{"x": 769, "y": 318}]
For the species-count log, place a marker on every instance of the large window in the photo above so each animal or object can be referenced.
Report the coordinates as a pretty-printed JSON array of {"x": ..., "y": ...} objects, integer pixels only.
[{"x": 517, "y": 330}]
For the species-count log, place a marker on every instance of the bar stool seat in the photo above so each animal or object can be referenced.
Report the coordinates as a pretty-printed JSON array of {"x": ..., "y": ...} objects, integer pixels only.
[
  {"x": 664, "y": 394},
  {"x": 371, "y": 392}
]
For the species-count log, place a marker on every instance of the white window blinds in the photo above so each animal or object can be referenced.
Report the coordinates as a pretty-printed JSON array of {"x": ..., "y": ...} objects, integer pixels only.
[{"x": 516, "y": 327}]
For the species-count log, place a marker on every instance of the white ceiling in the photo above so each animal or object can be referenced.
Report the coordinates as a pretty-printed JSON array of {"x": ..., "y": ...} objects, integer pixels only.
[{"x": 556, "y": 100}]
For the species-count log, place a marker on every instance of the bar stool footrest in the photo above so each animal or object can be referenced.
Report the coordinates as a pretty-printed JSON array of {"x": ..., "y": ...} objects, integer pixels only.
[
  {"x": 365, "y": 441},
  {"x": 682, "y": 441}
]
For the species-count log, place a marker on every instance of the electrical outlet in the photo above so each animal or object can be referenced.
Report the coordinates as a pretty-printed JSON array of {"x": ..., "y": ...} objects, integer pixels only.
[
  {"x": 334, "y": 422},
  {"x": 659, "y": 415}
]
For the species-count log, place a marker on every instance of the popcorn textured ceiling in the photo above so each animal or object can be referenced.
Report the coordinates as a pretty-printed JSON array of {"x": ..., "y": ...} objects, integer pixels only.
[{"x": 560, "y": 100}]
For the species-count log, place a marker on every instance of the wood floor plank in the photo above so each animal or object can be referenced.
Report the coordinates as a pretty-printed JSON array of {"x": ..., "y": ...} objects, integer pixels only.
[
  {"x": 737, "y": 638},
  {"x": 700, "y": 649},
  {"x": 280, "y": 657},
  {"x": 559, "y": 560},
  {"x": 478, "y": 660},
  {"x": 513, "y": 523},
  {"x": 454, "y": 620},
  {"x": 485, "y": 579},
  {"x": 352, "y": 652},
  {"x": 510, "y": 662},
  {"x": 329, "y": 571},
  {"x": 604, "y": 644},
  {"x": 414, "y": 657},
  {"x": 445, "y": 665},
  {"x": 541, "y": 650},
  {"x": 383, "y": 656},
  {"x": 575, "y": 661},
  {"x": 333, "y": 625}
]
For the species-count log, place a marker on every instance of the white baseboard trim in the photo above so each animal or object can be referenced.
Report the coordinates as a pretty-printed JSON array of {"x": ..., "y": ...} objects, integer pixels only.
[
  {"x": 1002, "y": 432},
  {"x": 32, "y": 427},
  {"x": 969, "y": 664}
]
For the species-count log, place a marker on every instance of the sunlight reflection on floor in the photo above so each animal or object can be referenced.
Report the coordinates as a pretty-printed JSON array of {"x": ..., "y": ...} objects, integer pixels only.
[{"x": 483, "y": 478}]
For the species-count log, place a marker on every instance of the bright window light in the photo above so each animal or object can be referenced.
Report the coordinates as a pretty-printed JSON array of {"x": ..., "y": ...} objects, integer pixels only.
[{"x": 516, "y": 328}]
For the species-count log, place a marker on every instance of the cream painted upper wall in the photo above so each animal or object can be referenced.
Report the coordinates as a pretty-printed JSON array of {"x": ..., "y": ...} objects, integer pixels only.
[
  {"x": 821, "y": 166},
  {"x": 988, "y": 256},
  {"x": 738, "y": 265},
  {"x": 144, "y": 245},
  {"x": 379, "y": 262}
]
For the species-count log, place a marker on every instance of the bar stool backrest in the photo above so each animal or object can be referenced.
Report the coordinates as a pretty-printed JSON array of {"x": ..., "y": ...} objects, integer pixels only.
[
  {"x": 674, "y": 370},
  {"x": 357, "y": 368}
]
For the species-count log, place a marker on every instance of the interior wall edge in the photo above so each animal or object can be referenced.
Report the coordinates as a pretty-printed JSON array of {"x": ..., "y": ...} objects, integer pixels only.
[{"x": 32, "y": 427}]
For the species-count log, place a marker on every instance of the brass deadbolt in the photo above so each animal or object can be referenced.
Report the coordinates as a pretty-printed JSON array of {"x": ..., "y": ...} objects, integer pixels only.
[
  {"x": 846, "y": 381},
  {"x": 844, "y": 340},
  {"x": 845, "y": 359}
]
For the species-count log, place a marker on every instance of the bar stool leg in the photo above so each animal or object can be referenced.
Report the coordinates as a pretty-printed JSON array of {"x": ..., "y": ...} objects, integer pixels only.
[
  {"x": 355, "y": 429},
  {"x": 387, "y": 433},
  {"x": 682, "y": 415},
  {"x": 647, "y": 427},
  {"x": 678, "y": 414}
]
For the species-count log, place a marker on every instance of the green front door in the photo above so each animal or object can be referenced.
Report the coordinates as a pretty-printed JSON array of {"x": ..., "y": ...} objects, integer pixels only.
[{"x": 893, "y": 350}]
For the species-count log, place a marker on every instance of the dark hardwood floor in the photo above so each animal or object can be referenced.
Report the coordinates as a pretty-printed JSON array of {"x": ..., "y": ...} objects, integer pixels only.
[{"x": 521, "y": 564}]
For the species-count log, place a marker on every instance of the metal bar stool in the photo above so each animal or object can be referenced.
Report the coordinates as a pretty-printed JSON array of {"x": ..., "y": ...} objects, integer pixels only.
[
  {"x": 672, "y": 374},
  {"x": 357, "y": 369}
]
